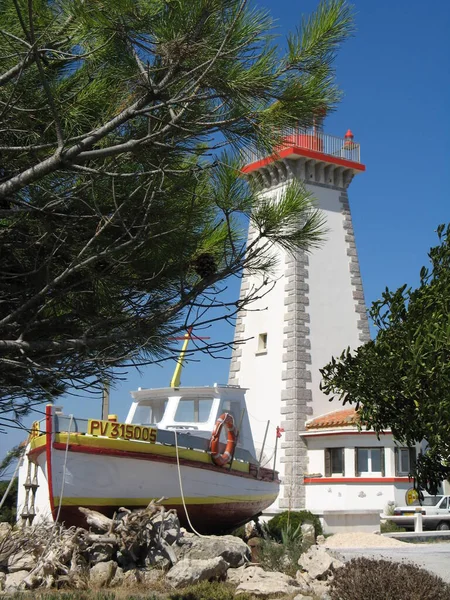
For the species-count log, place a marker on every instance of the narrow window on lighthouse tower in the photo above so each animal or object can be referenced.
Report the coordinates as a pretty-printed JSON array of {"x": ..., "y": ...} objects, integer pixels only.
[{"x": 262, "y": 343}]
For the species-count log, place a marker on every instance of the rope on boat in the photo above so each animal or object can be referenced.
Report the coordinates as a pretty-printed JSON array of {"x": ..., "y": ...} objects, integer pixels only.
[
  {"x": 181, "y": 489},
  {"x": 61, "y": 494},
  {"x": 12, "y": 478}
]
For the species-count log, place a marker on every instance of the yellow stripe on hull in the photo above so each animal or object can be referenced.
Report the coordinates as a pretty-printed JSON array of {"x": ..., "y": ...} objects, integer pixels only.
[{"x": 78, "y": 439}]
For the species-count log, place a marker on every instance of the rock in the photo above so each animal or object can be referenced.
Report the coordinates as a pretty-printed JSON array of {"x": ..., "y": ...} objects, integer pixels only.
[
  {"x": 15, "y": 581},
  {"x": 320, "y": 588},
  {"x": 21, "y": 561},
  {"x": 232, "y": 549},
  {"x": 101, "y": 574},
  {"x": 254, "y": 544},
  {"x": 146, "y": 577},
  {"x": 157, "y": 557},
  {"x": 118, "y": 578},
  {"x": 258, "y": 582},
  {"x": 5, "y": 530},
  {"x": 302, "y": 597},
  {"x": 100, "y": 553},
  {"x": 235, "y": 575},
  {"x": 320, "y": 540},
  {"x": 318, "y": 563},
  {"x": 2, "y": 581},
  {"x": 308, "y": 536},
  {"x": 189, "y": 571}
]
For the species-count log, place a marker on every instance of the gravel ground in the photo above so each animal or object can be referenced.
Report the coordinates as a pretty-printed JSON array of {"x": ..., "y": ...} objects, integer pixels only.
[{"x": 362, "y": 540}]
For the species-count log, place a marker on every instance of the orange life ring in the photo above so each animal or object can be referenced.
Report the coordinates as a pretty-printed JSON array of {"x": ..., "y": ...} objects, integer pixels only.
[{"x": 222, "y": 459}]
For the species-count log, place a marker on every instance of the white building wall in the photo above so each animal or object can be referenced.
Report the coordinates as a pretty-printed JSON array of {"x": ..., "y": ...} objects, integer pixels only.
[
  {"x": 315, "y": 310},
  {"x": 333, "y": 319}
]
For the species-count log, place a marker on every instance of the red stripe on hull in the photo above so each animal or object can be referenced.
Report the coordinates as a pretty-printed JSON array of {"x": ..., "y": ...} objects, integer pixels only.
[{"x": 206, "y": 518}]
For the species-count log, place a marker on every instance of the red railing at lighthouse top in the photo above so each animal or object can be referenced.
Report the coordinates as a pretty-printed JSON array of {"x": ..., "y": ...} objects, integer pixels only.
[{"x": 314, "y": 140}]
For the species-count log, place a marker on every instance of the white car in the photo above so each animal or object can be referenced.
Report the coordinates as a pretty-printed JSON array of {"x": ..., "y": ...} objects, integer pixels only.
[{"x": 431, "y": 505}]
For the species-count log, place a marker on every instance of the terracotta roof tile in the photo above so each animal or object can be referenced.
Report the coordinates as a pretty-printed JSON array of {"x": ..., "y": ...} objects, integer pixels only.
[{"x": 337, "y": 418}]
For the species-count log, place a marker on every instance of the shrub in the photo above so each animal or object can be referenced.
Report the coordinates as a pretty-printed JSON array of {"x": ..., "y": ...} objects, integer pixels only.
[
  {"x": 295, "y": 519},
  {"x": 390, "y": 527},
  {"x": 207, "y": 591},
  {"x": 273, "y": 556},
  {"x": 366, "y": 579}
]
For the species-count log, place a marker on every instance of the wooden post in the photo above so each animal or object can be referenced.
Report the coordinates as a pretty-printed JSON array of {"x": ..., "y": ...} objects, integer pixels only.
[
  {"x": 262, "y": 448},
  {"x": 105, "y": 401}
]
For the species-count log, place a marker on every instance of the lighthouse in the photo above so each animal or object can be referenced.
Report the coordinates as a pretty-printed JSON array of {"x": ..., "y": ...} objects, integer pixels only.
[{"x": 313, "y": 310}]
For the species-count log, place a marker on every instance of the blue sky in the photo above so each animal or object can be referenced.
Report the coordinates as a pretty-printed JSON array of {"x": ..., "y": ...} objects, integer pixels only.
[{"x": 395, "y": 76}]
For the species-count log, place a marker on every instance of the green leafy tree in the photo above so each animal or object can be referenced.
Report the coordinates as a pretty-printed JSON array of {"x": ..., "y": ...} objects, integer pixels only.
[
  {"x": 401, "y": 379},
  {"x": 124, "y": 125}
]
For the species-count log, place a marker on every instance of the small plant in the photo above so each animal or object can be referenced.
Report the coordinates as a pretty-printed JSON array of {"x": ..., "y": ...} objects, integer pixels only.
[
  {"x": 365, "y": 579},
  {"x": 289, "y": 535},
  {"x": 207, "y": 591},
  {"x": 295, "y": 519},
  {"x": 390, "y": 527}
]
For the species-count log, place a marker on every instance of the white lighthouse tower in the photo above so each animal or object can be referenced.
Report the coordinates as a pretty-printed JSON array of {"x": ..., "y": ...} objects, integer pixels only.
[{"x": 314, "y": 310}]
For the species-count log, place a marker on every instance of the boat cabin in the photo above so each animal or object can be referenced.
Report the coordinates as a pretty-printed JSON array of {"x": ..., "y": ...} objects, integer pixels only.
[{"x": 192, "y": 411}]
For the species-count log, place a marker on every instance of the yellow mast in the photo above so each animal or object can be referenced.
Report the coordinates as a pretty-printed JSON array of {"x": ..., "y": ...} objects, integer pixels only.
[{"x": 176, "y": 378}]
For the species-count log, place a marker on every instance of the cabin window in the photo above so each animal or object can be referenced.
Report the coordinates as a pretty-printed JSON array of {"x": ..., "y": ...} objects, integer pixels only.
[
  {"x": 369, "y": 462},
  {"x": 405, "y": 461},
  {"x": 146, "y": 414},
  {"x": 262, "y": 343},
  {"x": 334, "y": 461},
  {"x": 193, "y": 410}
]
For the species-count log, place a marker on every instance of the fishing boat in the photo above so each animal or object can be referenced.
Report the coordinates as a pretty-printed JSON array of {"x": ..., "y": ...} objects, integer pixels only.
[{"x": 191, "y": 446}]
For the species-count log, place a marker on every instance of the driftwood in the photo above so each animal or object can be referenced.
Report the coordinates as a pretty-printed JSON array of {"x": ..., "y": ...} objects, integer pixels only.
[{"x": 141, "y": 538}]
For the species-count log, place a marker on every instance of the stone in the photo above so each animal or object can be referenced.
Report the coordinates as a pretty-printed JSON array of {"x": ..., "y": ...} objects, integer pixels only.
[
  {"x": 318, "y": 563},
  {"x": 118, "y": 578},
  {"x": 100, "y": 553},
  {"x": 320, "y": 588},
  {"x": 157, "y": 557},
  {"x": 258, "y": 582},
  {"x": 21, "y": 561},
  {"x": 146, "y": 577},
  {"x": 2, "y": 581},
  {"x": 308, "y": 536},
  {"x": 189, "y": 571},
  {"x": 101, "y": 574},
  {"x": 302, "y": 597},
  {"x": 232, "y": 549},
  {"x": 320, "y": 540},
  {"x": 5, "y": 530},
  {"x": 254, "y": 544},
  {"x": 235, "y": 575},
  {"x": 15, "y": 581}
]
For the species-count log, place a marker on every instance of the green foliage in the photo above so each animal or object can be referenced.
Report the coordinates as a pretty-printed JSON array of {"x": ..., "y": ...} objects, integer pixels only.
[
  {"x": 365, "y": 579},
  {"x": 124, "y": 129},
  {"x": 400, "y": 380},
  {"x": 389, "y": 526},
  {"x": 207, "y": 591},
  {"x": 282, "y": 557},
  {"x": 8, "y": 510},
  {"x": 291, "y": 521}
]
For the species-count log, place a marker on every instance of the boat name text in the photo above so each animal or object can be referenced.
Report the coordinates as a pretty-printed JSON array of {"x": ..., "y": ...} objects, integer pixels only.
[{"x": 124, "y": 431}]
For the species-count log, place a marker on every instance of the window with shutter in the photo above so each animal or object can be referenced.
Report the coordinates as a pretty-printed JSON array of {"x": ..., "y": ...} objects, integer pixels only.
[
  {"x": 334, "y": 461},
  {"x": 405, "y": 461}
]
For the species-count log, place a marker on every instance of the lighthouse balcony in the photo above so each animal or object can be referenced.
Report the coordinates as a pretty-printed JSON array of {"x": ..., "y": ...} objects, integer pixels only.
[{"x": 311, "y": 144}]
